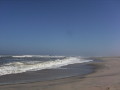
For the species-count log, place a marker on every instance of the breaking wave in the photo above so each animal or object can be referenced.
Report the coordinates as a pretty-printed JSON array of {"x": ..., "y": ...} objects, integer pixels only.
[
  {"x": 24, "y": 66},
  {"x": 43, "y": 56}
]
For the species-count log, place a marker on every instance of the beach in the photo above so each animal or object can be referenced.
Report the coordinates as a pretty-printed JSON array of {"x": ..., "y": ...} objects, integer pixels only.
[{"x": 106, "y": 76}]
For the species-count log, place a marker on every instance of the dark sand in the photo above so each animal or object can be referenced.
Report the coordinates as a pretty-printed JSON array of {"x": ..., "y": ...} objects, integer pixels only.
[{"x": 105, "y": 77}]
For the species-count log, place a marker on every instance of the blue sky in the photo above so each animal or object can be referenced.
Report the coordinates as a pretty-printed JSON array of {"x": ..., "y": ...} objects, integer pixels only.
[{"x": 60, "y": 27}]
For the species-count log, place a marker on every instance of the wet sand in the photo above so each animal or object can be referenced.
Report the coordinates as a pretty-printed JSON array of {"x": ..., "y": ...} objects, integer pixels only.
[{"x": 105, "y": 77}]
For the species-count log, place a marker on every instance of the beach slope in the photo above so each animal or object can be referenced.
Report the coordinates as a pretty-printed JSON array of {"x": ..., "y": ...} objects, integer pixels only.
[{"x": 105, "y": 77}]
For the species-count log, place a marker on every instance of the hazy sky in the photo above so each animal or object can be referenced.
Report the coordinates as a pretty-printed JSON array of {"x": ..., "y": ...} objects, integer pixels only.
[{"x": 60, "y": 27}]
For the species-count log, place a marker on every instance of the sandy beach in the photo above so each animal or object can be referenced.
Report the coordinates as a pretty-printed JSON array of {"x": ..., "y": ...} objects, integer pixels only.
[{"x": 105, "y": 77}]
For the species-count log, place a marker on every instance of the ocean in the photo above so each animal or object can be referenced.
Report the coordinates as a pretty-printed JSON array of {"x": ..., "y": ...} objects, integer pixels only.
[{"x": 32, "y": 68}]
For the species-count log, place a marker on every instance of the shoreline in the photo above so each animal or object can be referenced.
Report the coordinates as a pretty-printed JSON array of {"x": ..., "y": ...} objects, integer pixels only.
[
  {"x": 72, "y": 70},
  {"x": 104, "y": 77}
]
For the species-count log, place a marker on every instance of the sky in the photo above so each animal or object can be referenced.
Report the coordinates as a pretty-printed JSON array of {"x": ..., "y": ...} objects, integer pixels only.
[{"x": 60, "y": 27}]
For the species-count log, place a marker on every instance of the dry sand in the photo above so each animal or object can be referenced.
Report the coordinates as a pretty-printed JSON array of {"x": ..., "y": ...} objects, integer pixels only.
[{"x": 107, "y": 77}]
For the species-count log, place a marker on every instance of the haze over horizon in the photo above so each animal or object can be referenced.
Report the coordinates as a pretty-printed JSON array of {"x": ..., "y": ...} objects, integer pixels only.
[{"x": 60, "y": 27}]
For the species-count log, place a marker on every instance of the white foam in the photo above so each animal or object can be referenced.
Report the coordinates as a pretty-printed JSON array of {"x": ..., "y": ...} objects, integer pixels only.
[
  {"x": 22, "y": 56},
  {"x": 19, "y": 67},
  {"x": 44, "y": 56}
]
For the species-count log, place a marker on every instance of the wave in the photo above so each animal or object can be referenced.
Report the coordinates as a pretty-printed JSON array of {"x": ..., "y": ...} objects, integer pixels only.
[
  {"x": 22, "y": 56},
  {"x": 24, "y": 66},
  {"x": 42, "y": 56}
]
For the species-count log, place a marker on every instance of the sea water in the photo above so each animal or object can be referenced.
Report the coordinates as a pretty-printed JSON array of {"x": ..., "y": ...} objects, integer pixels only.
[{"x": 28, "y": 68}]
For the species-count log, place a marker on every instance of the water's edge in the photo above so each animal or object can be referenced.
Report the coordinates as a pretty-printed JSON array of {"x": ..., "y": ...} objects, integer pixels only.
[{"x": 92, "y": 69}]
